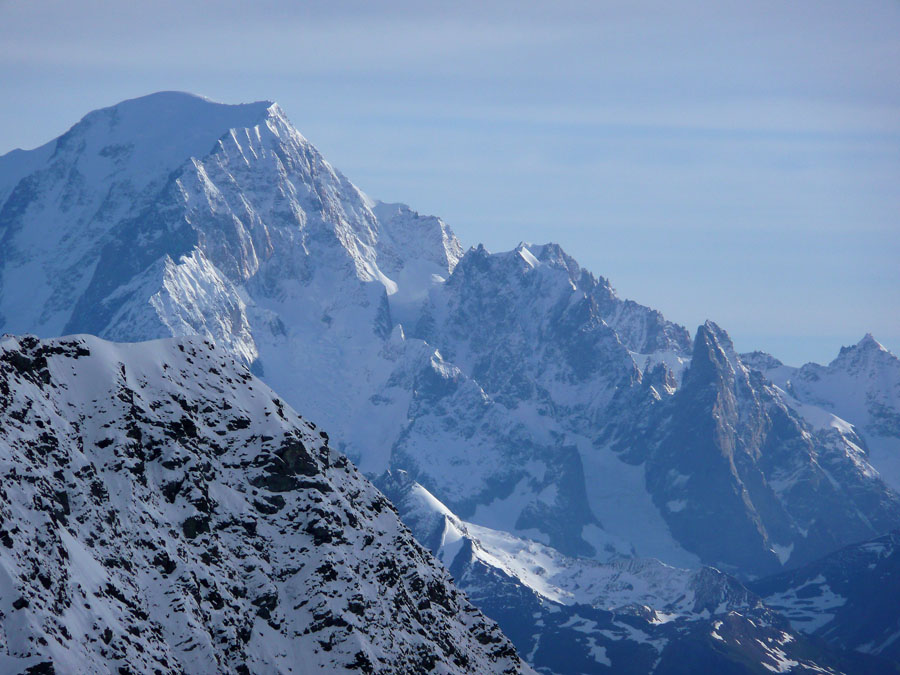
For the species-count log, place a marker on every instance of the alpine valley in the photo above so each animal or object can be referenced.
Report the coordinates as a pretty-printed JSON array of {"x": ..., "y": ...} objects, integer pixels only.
[{"x": 619, "y": 494}]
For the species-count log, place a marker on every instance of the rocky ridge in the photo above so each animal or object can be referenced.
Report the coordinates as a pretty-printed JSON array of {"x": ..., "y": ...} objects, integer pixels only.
[{"x": 162, "y": 510}]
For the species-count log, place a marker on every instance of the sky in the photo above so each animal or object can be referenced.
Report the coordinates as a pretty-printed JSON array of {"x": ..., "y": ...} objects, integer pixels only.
[{"x": 723, "y": 160}]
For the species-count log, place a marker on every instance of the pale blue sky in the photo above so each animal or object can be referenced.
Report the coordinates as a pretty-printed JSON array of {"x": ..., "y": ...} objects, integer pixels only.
[{"x": 727, "y": 160}]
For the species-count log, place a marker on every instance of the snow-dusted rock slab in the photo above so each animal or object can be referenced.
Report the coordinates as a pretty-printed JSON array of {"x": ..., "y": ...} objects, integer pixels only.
[{"x": 162, "y": 510}]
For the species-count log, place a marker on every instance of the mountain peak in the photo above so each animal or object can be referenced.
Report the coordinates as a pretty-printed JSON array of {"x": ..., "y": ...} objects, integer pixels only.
[
  {"x": 869, "y": 342},
  {"x": 174, "y": 102},
  {"x": 867, "y": 347},
  {"x": 138, "y": 139},
  {"x": 166, "y": 122},
  {"x": 163, "y": 112},
  {"x": 712, "y": 331},
  {"x": 712, "y": 351}
]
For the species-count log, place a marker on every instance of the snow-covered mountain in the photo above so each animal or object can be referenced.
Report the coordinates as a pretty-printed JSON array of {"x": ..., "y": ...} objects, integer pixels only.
[
  {"x": 746, "y": 482},
  {"x": 861, "y": 386},
  {"x": 259, "y": 244},
  {"x": 162, "y": 510},
  {"x": 515, "y": 387},
  {"x": 518, "y": 389},
  {"x": 627, "y": 615},
  {"x": 726, "y": 470},
  {"x": 850, "y": 598}
]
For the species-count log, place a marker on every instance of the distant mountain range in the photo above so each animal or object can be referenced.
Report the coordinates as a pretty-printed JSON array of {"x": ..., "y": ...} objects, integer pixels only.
[{"x": 535, "y": 407}]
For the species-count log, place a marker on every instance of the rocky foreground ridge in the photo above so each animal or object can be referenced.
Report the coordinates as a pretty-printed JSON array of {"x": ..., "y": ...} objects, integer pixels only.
[{"x": 163, "y": 511}]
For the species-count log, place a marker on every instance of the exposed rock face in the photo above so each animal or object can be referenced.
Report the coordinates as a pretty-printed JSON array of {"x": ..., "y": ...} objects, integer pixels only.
[
  {"x": 861, "y": 386},
  {"x": 745, "y": 481},
  {"x": 163, "y": 511}
]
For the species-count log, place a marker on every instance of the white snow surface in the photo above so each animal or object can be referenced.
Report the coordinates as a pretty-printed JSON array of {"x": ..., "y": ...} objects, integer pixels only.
[
  {"x": 808, "y": 607},
  {"x": 620, "y": 582}
]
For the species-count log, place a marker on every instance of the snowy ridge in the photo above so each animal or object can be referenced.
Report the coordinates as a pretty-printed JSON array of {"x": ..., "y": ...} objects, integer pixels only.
[
  {"x": 573, "y": 615},
  {"x": 617, "y": 583},
  {"x": 860, "y": 387},
  {"x": 164, "y": 511}
]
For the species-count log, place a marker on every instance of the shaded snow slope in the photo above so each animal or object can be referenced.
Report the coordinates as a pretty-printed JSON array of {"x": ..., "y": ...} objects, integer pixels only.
[{"x": 850, "y": 598}]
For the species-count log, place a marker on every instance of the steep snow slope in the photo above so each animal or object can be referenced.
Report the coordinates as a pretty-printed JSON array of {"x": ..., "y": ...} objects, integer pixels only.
[
  {"x": 163, "y": 511},
  {"x": 617, "y": 583},
  {"x": 60, "y": 203}
]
